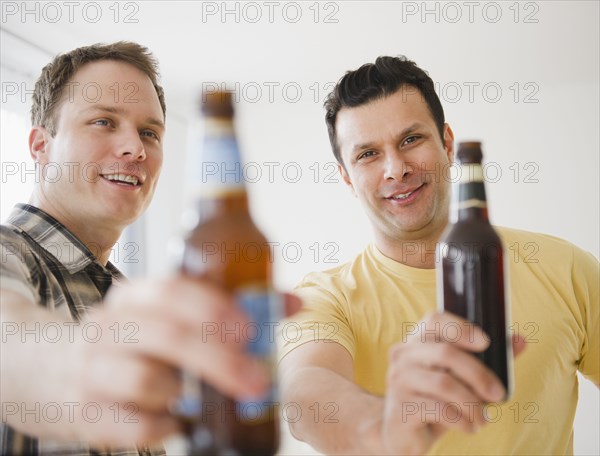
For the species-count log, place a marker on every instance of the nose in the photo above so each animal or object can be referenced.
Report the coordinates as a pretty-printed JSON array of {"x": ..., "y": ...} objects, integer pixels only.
[
  {"x": 396, "y": 168},
  {"x": 131, "y": 146}
]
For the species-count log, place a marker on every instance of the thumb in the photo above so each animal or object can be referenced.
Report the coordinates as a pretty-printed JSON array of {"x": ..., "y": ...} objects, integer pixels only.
[{"x": 519, "y": 344}]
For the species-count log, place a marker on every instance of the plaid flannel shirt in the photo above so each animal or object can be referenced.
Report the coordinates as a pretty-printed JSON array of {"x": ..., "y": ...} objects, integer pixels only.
[{"x": 46, "y": 263}]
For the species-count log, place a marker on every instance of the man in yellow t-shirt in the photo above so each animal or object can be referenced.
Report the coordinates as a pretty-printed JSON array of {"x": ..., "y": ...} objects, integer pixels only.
[{"x": 372, "y": 366}]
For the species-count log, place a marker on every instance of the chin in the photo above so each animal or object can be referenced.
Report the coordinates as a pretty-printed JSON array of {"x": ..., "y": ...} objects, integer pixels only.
[{"x": 124, "y": 216}]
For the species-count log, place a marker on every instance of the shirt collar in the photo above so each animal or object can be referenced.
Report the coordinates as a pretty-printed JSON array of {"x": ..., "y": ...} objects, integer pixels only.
[{"x": 56, "y": 239}]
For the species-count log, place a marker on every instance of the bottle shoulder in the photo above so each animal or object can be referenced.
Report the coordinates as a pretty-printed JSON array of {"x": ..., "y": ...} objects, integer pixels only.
[
  {"x": 471, "y": 230},
  {"x": 237, "y": 225}
]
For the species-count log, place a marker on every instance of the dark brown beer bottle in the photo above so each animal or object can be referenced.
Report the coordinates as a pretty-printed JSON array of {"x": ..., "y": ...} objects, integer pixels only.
[
  {"x": 223, "y": 245},
  {"x": 471, "y": 272}
]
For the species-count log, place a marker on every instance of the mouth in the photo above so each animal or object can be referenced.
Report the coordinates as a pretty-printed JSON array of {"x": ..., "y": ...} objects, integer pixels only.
[
  {"x": 406, "y": 197},
  {"x": 123, "y": 179}
]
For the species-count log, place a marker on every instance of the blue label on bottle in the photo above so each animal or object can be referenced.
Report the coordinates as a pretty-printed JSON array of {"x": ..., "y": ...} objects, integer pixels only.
[
  {"x": 263, "y": 311},
  {"x": 221, "y": 163},
  {"x": 189, "y": 403},
  {"x": 263, "y": 316}
]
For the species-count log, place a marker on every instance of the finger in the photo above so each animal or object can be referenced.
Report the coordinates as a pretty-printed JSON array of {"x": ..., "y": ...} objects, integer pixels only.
[
  {"x": 150, "y": 428},
  {"x": 445, "y": 326},
  {"x": 459, "y": 405},
  {"x": 420, "y": 412},
  {"x": 292, "y": 304},
  {"x": 150, "y": 384},
  {"x": 128, "y": 426},
  {"x": 189, "y": 300},
  {"x": 158, "y": 331},
  {"x": 234, "y": 374},
  {"x": 215, "y": 354},
  {"x": 519, "y": 344},
  {"x": 462, "y": 365}
]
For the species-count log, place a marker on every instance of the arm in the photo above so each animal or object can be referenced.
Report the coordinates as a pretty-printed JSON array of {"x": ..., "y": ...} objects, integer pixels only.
[
  {"x": 324, "y": 372},
  {"x": 586, "y": 285},
  {"x": 132, "y": 382},
  {"x": 23, "y": 364},
  {"x": 424, "y": 371}
]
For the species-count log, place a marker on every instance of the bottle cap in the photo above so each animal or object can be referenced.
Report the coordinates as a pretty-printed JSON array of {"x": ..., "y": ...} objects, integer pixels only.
[
  {"x": 217, "y": 104},
  {"x": 469, "y": 152}
]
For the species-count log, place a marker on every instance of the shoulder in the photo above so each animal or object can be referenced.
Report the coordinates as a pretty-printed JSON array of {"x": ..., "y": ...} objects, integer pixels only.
[
  {"x": 514, "y": 234},
  {"x": 9, "y": 234},
  {"x": 19, "y": 265},
  {"x": 15, "y": 244},
  {"x": 543, "y": 247},
  {"x": 339, "y": 278}
]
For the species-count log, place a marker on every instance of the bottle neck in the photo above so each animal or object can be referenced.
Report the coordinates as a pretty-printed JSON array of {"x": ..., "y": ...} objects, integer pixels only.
[
  {"x": 214, "y": 170},
  {"x": 224, "y": 203},
  {"x": 471, "y": 202},
  {"x": 221, "y": 164}
]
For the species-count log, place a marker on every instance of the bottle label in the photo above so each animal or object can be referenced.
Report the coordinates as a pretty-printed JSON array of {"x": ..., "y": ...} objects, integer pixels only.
[
  {"x": 189, "y": 403},
  {"x": 470, "y": 192},
  {"x": 467, "y": 204},
  {"x": 215, "y": 164},
  {"x": 263, "y": 310},
  {"x": 471, "y": 172}
]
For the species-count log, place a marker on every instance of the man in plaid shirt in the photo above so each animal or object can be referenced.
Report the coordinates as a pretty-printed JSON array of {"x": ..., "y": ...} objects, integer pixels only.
[{"x": 86, "y": 369}]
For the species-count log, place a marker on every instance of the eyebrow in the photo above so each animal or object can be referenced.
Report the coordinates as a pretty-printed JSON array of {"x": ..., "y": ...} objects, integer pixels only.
[
  {"x": 116, "y": 110},
  {"x": 408, "y": 130}
]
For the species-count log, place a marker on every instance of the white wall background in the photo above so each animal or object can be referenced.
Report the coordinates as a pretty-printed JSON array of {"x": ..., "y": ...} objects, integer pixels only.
[{"x": 523, "y": 77}]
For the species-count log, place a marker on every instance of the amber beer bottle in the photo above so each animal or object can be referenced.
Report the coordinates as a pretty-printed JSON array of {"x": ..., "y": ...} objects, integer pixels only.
[
  {"x": 223, "y": 245},
  {"x": 471, "y": 272}
]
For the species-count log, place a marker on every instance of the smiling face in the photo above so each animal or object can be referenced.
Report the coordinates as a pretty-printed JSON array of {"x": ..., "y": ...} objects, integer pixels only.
[
  {"x": 394, "y": 158},
  {"x": 103, "y": 163}
]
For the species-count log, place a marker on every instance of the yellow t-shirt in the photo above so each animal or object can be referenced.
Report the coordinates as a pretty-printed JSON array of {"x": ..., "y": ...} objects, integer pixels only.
[{"x": 373, "y": 302}]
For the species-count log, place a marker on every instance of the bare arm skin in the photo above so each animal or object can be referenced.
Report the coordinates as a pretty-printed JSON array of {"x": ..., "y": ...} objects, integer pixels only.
[
  {"x": 131, "y": 376},
  {"x": 424, "y": 370}
]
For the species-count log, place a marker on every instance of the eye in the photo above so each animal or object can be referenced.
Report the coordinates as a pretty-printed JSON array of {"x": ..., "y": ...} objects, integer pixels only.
[
  {"x": 102, "y": 122},
  {"x": 365, "y": 154},
  {"x": 411, "y": 139},
  {"x": 150, "y": 134}
]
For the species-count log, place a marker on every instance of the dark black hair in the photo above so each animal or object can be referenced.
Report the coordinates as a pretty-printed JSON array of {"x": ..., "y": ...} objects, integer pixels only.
[{"x": 378, "y": 80}]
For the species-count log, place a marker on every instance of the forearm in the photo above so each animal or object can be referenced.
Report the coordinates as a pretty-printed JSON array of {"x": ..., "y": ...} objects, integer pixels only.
[
  {"x": 30, "y": 379},
  {"x": 338, "y": 417}
]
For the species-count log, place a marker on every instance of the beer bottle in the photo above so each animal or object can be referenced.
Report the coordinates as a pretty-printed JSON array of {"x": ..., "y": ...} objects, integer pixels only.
[
  {"x": 471, "y": 273},
  {"x": 223, "y": 245}
]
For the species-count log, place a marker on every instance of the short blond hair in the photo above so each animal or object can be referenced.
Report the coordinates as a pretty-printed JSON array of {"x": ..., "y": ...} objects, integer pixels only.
[{"x": 55, "y": 76}]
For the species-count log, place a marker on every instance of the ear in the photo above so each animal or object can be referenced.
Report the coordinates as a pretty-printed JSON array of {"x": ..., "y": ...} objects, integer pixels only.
[
  {"x": 449, "y": 142},
  {"x": 346, "y": 178},
  {"x": 38, "y": 141}
]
